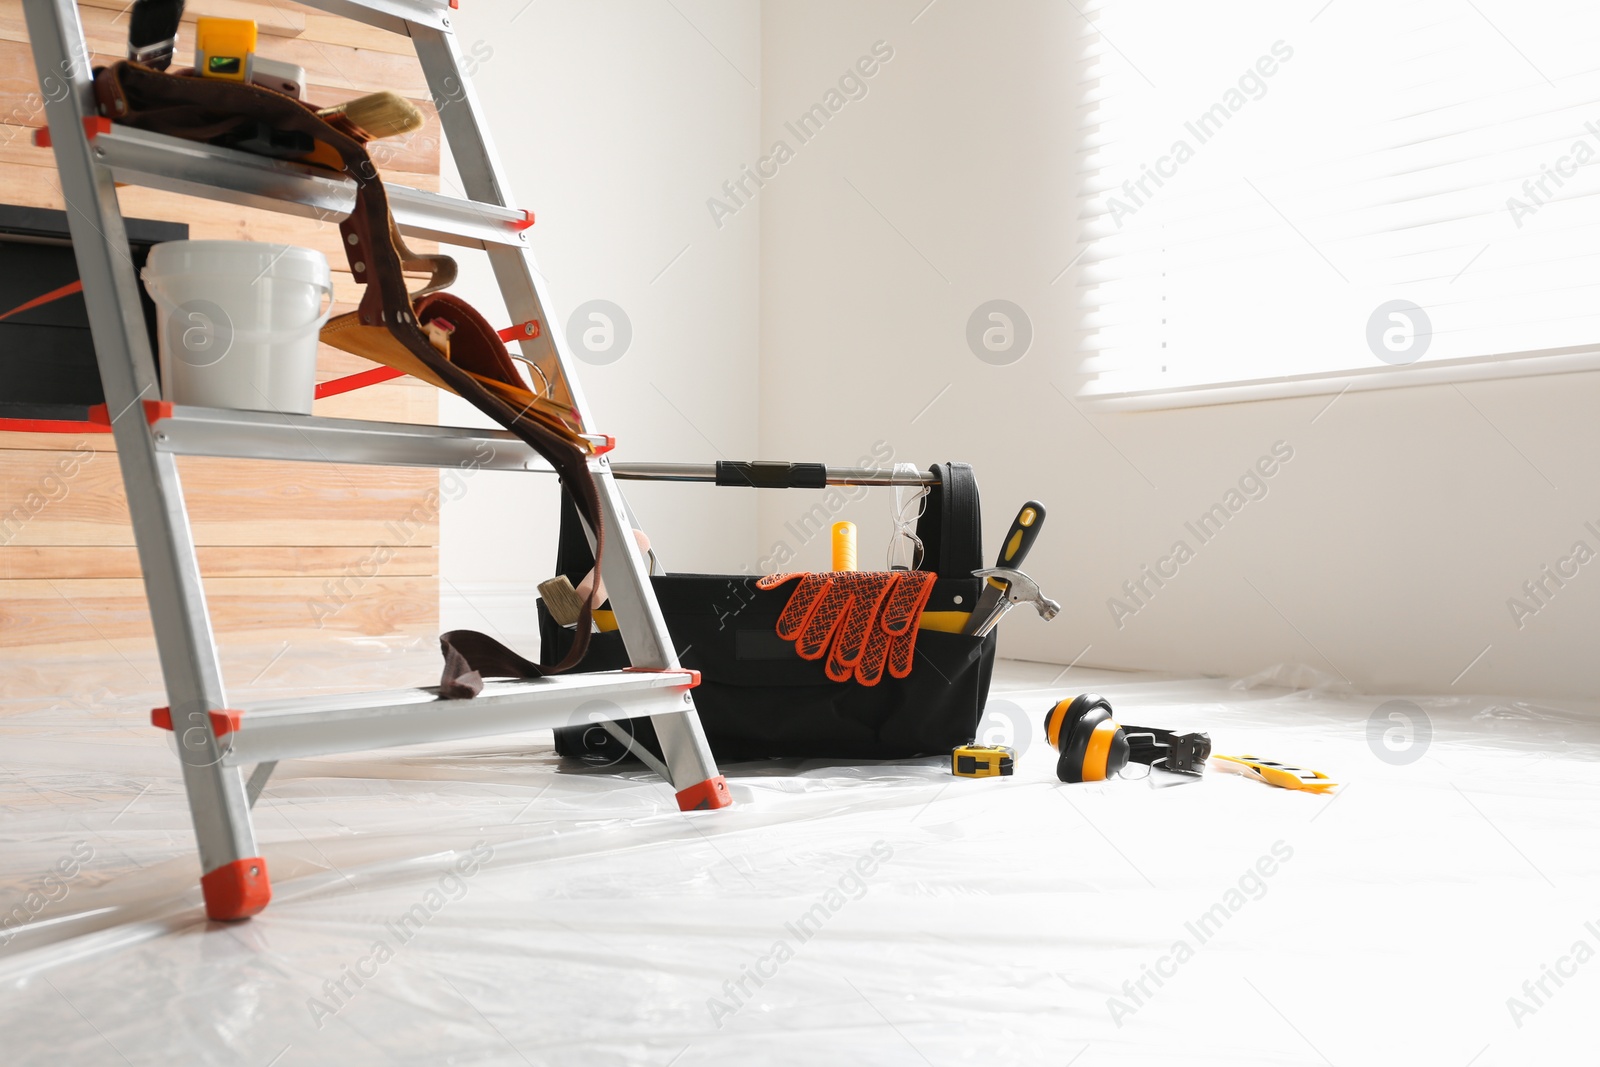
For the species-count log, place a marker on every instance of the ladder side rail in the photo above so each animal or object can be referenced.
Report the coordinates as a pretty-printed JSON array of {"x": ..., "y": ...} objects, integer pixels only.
[
  {"x": 639, "y": 618},
  {"x": 460, "y": 114},
  {"x": 625, "y": 572},
  {"x": 646, "y": 637},
  {"x": 471, "y": 146},
  {"x": 155, "y": 499}
]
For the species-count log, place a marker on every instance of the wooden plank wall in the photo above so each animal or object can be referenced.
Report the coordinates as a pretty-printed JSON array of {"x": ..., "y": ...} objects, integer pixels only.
[{"x": 305, "y": 553}]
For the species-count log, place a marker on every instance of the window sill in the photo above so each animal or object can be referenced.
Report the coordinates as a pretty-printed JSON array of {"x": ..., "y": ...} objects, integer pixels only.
[{"x": 1432, "y": 372}]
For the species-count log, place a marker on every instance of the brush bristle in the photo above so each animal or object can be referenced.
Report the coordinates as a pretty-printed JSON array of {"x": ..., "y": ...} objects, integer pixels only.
[
  {"x": 384, "y": 114},
  {"x": 561, "y": 600}
]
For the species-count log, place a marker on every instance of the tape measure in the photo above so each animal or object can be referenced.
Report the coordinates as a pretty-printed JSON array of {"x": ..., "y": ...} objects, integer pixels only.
[{"x": 982, "y": 761}]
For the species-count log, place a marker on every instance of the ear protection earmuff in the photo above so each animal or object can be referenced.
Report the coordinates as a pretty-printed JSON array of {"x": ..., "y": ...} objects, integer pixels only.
[{"x": 1094, "y": 746}]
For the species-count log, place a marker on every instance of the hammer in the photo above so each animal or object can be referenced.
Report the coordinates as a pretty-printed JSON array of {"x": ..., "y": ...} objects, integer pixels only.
[{"x": 1020, "y": 589}]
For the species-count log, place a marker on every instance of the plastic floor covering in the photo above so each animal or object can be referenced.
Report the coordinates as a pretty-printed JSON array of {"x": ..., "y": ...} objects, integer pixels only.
[{"x": 482, "y": 903}]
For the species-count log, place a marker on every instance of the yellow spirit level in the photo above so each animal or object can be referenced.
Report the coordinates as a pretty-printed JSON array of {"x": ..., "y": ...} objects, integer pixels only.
[
  {"x": 982, "y": 761},
  {"x": 225, "y": 49},
  {"x": 222, "y": 47}
]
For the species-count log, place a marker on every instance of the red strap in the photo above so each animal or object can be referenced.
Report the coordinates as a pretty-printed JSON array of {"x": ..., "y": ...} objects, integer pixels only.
[
  {"x": 335, "y": 386},
  {"x": 50, "y": 297},
  {"x": 50, "y": 426},
  {"x": 359, "y": 380}
]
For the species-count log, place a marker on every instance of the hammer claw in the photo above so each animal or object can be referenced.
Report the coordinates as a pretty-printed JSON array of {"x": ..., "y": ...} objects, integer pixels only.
[{"x": 1020, "y": 589}]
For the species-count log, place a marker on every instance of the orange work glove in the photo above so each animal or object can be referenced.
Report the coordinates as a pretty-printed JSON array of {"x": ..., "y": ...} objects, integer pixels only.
[{"x": 862, "y": 620}]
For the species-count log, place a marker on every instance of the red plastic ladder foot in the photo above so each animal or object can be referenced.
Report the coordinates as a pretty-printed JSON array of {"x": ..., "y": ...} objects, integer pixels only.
[
  {"x": 236, "y": 890},
  {"x": 703, "y": 796}
]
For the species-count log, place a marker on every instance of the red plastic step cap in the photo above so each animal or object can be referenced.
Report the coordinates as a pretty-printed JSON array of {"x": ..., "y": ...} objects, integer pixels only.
[
  {"x": 223, "y": 722},
  {"x": 93, "y": 126},
  {"x": 236, "y": 890},
  {"x": 522, "y": 331},
  {"x": 705, "y": 796}
]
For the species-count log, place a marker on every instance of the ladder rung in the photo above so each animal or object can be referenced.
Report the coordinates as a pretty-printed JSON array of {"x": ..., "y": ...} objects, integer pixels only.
[
  {"x": 225, "y": 432},
  {"x": 140, "y": 157},
  {"x": 453, "y": 220},
  {"x": 324, "y": 725},
  {"x": 231, "y": 433}
]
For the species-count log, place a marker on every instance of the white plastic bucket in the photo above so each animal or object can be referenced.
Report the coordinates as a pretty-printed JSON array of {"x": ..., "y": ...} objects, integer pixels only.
[{"x": 238, "y": 321}]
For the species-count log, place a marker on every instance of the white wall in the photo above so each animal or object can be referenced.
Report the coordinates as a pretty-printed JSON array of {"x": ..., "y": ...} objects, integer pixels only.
[
  {"x": 616, "y": 120},
  {"x": 932, "y": 193},
  {"x": 1385, "y": 550}
]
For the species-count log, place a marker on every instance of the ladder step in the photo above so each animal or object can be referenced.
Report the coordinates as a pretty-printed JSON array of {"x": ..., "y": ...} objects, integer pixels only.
[
  {"x": 325, "y": 725},
  {"x": 139, "y": 157},
  {"x": 396, "y": 16},
  {"x": 237, "y": 434}
]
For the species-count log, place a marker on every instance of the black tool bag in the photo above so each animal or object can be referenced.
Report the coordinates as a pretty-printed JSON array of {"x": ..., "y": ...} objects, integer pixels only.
[{"x": 758, "y": 699}]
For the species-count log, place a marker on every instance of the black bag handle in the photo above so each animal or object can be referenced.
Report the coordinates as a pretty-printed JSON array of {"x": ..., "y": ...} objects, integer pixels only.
[{"x": 951, "y": 528}]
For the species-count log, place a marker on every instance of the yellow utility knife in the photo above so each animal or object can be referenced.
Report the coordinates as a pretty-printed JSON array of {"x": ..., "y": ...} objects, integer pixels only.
[{"x": 1279, "y": 774}]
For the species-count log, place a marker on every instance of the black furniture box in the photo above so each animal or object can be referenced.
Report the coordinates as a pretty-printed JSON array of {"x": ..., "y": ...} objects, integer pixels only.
[{"x": 47, "y": 365}]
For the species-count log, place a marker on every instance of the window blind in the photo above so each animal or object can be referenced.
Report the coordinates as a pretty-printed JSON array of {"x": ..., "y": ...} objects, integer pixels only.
[{"x": 1268, "y": 196}]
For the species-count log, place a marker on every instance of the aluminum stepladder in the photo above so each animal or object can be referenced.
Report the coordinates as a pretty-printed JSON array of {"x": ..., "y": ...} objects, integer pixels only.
[{"x": 217, "y": 740}]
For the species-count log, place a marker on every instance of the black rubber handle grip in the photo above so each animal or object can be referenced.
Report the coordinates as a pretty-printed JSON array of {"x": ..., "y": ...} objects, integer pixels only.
[
  {"x": 1020, "y": 538},
  {"x": 772, "y": 475},
  {"x": 153, "y": 22}
]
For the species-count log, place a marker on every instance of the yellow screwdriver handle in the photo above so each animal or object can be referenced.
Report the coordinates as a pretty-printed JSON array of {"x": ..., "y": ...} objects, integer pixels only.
[
  {"x": 844, "y": 546},
  {"x": 1019, "y": 539}
]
